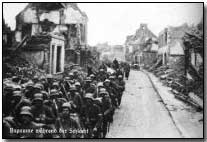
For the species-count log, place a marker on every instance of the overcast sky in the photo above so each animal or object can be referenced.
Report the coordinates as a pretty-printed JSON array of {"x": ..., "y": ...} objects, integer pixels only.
[{"x": 112, "y": 22}]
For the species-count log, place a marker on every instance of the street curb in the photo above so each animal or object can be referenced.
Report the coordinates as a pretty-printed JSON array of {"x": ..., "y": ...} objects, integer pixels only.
[{"x": 178, "y": 127}]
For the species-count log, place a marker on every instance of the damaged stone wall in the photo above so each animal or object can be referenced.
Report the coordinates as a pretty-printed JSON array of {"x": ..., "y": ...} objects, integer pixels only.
[
  {"x": 35, "y": 57},
  {"x": 176, "y": 62},
  {"x": 70, "y": 57},
  {"x": 149, "y": 58}
]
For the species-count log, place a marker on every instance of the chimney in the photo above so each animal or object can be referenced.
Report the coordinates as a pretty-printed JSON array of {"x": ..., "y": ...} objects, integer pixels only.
[{"x": 143, "y": 26}]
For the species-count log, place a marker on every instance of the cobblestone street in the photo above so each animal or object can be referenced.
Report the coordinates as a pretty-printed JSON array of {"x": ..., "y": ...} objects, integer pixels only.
[{"x": 142, "y": 114}]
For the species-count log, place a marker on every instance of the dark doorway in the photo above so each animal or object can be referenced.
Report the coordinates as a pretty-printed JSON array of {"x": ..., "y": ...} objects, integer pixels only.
[
  {"x": 58, "y": 61},
  {"x": 53, "y": 59}
]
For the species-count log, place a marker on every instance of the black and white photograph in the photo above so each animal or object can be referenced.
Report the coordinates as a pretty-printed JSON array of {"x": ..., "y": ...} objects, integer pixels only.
[{"x": 102, "y": 70}]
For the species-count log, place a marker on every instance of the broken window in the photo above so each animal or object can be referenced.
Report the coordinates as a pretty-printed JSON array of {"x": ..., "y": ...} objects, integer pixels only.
[
  {"x": 47, "y": 26},
  {"x": 26, "y": 30},
  {"x": 73, "y": 31}
]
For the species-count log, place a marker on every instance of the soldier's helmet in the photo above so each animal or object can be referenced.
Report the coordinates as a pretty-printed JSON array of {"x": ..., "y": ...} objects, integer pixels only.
[
  {"x": 120, "y": 76},
  {"x": 93, "y": 85},
  {"x": 75, "y": 71},
  {"x": 92, "y": 76},
  {"x": 27, "y": 112},
  {"x": 49, "y": 76},
  {"x": 9, "y": 88},
  {"x": 88, "y": 79},
  {"x": 45, "y": 95},
  {"x": 38, "y": 97},
  {"x": 73, "y": 88},
  {"x": 26, "y": 108},
  {"x": 103, "y": 92},
  {"x": 17, "y": 87},
  {"x": 100, "y": 84},
  {"x": 112, "y": 77},
  {"x": 67, "y": 105},
  {"x": 25, "y": 102},
  {"x": 77, "y": 84},
  {"x": 107, "y": 81},
  {"x": 54, "y": 93},
  {"x": 55, "y": 84},
  {"x": 17, "y": 94},
  {"x": 15, "y": 78},
  {"x": 35, "y": 78},
  {"x": 89, "y": 96},
  {"x": 70, "y": 74},
  {"x": 67, "y": 78},
  {"x": 30, "y": 84},
  {"x": 39, "y": 86}
]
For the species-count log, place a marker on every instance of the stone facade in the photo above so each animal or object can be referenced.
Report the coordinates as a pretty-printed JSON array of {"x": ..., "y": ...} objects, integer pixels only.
[
  {"x": 171, "y": 44},
  {"x": 65, "y": 21},
  {"x": 137, "y": 46}
]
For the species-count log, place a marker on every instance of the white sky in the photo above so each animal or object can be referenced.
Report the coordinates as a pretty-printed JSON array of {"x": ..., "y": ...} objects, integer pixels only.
[{"x": 112, "y": 22}]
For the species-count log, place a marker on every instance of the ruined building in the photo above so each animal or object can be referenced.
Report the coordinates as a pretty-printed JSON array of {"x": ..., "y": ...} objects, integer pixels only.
[
  {"x": 51, "y": 35},
  {"x": 142, "y": 46},
  {"x": 171, "y": 48}
]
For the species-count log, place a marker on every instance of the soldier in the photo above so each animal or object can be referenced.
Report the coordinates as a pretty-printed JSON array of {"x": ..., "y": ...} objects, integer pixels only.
[
  {"x": 127, "y": 70},
  {"x": 38, "y": 87},
  {"x": 115, "y": 64},
  {"x": 35, "y": 79},
  {"x": 93, "y": 79},
  {"x": 49, "y": 79},
  {"x": 28, "y": 92},
  {"x": 67, "y": 121},
  {"x": 71, "y": 78},
  {"x": 119, "y": 72},
  {"x": 76, "y": 100},
  {"x": 56, "y": 86},
  {"x": 112, "y": 92},
  {"x": 7, "y": 97},
  {"x": 54, "y": 103},
  {"x": 22, "y": 103},
  {"x": 101, "y": 76},
  {"x": 26, "y": 122},
  {"x": 77, "y": 77},
  {"x": 99, "y": 86},
  {"x": 91, "y": 89},
  {"x": 103, "y": 66},
  {"x": 16, "y": 98},
  {"x": 87, "y": 83},
  {"x": 66, "y": 83},
  {"x": 107, "y": 110},
  {"x": 89, "y": 70},
  {"x": 121, "y": 88},
  {"x": 42, "y": 113},
  {"x": 92, "y": 116},
  {"x": 79, "y": 89}
]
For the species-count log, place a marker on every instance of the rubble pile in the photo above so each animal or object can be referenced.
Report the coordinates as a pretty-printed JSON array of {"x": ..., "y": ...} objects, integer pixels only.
[
  {"x": 14, "y": 65},
  {"x": 181, "y": 86}
]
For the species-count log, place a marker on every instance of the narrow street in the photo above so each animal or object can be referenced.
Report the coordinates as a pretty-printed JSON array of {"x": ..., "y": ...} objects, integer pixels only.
[{"x": 142, "y": 114}]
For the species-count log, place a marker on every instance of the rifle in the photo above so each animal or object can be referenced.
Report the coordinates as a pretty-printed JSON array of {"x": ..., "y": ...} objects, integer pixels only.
[
  {"x": 65, "y": 92},
  {"x": 58, "y": 118}
]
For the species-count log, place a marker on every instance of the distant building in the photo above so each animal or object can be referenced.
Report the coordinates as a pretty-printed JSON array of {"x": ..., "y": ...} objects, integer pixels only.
[
  {"x": 118, "y": 52},
  {"x": 171, "y": 47},
  {"x": 137, "y": 46}
]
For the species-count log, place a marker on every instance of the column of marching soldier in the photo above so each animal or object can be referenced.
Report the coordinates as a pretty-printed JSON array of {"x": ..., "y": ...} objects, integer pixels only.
[{"x": 81, "y": 108}]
